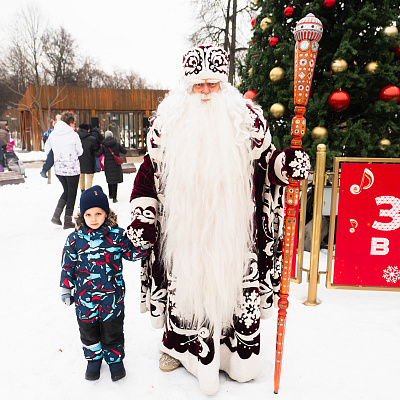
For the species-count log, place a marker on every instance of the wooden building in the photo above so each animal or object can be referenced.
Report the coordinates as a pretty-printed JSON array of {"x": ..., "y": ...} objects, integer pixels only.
[{"x": 124, "y": 112}]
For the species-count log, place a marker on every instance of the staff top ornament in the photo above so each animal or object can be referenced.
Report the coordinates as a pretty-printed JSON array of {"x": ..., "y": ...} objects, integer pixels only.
[
  {"x": 308, "y": 32},
  {"x": 309, "y": 28}
]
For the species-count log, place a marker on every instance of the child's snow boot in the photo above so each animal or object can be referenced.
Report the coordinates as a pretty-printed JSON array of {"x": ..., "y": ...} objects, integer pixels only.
[
  {"x": 58, "y": 211},
  {"x": 93, "y": 370},
  {"x": 117, "y": 371}
]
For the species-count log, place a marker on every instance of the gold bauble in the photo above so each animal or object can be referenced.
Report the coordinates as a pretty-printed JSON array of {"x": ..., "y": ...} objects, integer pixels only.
[
  {"x": 250, "y": 71},
  {"x": 276, "y": 74},
  {"x": 318, "y": 132},
  {"x": 238, "y": 84},
  {"x": 265, "y": 23},
  {"x": 390, "y": 30},
  {"x": 339, "y": 65},
  {"x": 371, "y": 67},
  {"x": 255, "y": 1},
  {"x": 277, "y": 110},
  {"x": 384, "y": 144}
]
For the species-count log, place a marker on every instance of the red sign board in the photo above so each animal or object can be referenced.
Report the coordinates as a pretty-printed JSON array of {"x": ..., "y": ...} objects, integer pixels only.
[{"x": 367, "y": 251}]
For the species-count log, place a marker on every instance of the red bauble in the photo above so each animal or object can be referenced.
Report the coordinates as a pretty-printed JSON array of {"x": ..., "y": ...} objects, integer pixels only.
[
  {"x": 329, "y": 4},
  {"x": 396, "y": 50},
  {"x": 273, "y": 41},
  {"x": 389, "y": 93},
  {"x": 339, "y": 100},
  {"x": 288, "y": 11},
  {"x": 253, "y": 22},
  {"x": 250, "y": 94}
]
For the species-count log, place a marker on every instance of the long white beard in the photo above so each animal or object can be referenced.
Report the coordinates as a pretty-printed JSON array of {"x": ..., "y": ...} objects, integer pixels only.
[{"x": 208, "y": 230}]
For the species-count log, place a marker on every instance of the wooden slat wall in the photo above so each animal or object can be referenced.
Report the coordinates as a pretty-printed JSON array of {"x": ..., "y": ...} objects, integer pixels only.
[
  {"x": 76, "y": 98},
  {"x": 89, "y": 100}
]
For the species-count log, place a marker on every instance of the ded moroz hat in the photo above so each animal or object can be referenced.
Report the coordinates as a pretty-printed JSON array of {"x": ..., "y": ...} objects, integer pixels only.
[{"x": 205, "y": 62}]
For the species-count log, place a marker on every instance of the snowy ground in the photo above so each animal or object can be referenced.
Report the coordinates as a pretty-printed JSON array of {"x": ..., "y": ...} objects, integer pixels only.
[{"x": 347, "y": 347}]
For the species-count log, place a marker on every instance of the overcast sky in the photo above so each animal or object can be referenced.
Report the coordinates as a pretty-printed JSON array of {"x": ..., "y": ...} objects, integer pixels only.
[{"x": 149, "y": 37}]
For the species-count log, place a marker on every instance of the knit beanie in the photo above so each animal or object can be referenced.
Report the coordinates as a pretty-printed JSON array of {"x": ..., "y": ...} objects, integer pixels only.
[{"x": 94, "y": 197}]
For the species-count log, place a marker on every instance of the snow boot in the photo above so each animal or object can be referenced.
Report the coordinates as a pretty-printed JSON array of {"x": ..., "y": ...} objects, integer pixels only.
[
  {"x": 68, "y": 219},
  {"x": 117, "y": 371},
  {"x": 58, "y": 211},
  {"x": 93, "y": 370}
]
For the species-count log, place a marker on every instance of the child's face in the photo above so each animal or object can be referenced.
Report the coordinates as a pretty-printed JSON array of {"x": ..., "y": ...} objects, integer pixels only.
[{"x": 95, "y": 217}]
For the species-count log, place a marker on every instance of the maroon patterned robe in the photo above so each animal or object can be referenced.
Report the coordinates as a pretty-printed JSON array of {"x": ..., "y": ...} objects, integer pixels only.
[{"x": 234, "y": 349}]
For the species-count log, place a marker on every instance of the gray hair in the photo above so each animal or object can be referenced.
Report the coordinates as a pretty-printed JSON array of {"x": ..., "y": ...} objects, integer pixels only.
[{"x": 108, "y": 134}]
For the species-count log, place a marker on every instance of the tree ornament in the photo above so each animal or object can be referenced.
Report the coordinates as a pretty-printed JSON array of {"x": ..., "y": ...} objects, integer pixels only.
[
  {"x": 384, "y": 144},
  {"x": 276, "y": 74},
  {"x": 255, "y": 1},
  {"x": 318, "y": 133},
  {"x": 250, "y": 71},
  {"x": 277, "y": 110},
  {"x": 253, "y": 22},
  {"x": 288, "y": 11},
  {"x": 329, "y": 4},
  {"x": 339, "y": 100},
  {"x": 250, "y": 94},
  {"x": 396, "y": 50},
  {"x": 238, "y": 84},
  {"x": 390, "y": 30},
  {"x": 390, "y": 93},
  {"x": 371, "y": 67},
  {"x": 265, "y": 23},
  {"x": 273, "y": 41},
  {"x": 339, "y": 65}
]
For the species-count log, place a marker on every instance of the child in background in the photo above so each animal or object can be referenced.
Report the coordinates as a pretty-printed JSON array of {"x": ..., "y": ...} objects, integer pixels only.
[{"x": 92, "y": 266}]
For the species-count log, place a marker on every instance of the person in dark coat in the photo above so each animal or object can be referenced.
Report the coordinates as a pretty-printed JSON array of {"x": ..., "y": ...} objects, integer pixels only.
[
  {"x": 94, "y": 131},
  {"x": 112, "y": 170},
  {"x": 87, "y": 160}
]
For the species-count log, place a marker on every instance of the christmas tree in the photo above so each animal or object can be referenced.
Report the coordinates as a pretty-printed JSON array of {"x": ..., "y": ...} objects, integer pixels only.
[{"x": 354, "y": 104}]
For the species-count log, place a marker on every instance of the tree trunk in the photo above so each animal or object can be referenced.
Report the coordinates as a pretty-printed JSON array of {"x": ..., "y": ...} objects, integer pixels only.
[
  {"x": 227, "y": 20},
  {"x": 232, "y": 44}
]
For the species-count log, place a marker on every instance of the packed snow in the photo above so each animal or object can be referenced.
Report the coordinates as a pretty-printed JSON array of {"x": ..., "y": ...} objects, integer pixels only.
[{"x": 347, "y": 347}]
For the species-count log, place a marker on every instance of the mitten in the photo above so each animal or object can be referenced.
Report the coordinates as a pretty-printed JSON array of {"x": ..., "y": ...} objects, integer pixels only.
[
  {"x": 296, "y": 163},
  {"x": 141, "y": 234},
  {"x": 66, "y": 296}
]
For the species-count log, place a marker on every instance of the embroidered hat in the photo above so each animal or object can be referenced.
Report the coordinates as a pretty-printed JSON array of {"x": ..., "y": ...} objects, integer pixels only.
[
  {"x": 205, "y": 62},
  {"x": 94, "y": 197}
]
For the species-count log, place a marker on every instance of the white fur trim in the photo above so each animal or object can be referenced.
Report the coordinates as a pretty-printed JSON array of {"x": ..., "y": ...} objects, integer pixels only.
[
  {"x": 278, "y": 168},
  {"x": 143, "y": 203}
]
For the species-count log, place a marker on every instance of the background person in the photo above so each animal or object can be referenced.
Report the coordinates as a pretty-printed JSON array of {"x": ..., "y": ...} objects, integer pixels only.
[
  {"x": 112, "y": 170},
  {"x": 87, "y": 160},
  {"x": 50, "y": 157},
  {"x": 67, "y": 148}
]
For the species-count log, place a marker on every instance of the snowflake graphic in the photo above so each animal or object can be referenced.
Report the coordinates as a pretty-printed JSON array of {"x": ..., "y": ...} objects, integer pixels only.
[
  {"x": 250, "y": 309},
  {"x": 301, "y": 164},
  {"x": 391, "y": 274}
]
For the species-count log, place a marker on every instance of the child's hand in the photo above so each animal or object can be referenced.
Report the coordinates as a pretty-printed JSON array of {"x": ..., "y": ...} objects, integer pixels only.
[{"x": 66, "y": 296}]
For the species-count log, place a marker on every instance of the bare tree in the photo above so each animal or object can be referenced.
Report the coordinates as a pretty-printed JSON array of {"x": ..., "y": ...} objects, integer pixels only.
[
  {"x": 225, "y": 23},
  {"x": 135, "y": 81},
  {"x": 27, "y": 42},
  {"x": 59, "y": 50}
]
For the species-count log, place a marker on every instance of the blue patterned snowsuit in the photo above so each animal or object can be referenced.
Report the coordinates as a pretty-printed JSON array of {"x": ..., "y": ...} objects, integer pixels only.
[{"x": 92, "y": 264}]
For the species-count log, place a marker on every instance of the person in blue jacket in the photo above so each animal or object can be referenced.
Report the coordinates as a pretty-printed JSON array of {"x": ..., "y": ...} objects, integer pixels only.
[{"x": 91, "y": 277}]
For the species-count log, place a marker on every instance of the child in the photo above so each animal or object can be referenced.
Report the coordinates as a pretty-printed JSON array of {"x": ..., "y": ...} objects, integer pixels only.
[{"x": 92, "y": 265}]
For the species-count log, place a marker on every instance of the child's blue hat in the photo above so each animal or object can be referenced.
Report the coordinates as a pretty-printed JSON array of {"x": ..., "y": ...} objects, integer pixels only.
[{"x": 94, "y": 197}]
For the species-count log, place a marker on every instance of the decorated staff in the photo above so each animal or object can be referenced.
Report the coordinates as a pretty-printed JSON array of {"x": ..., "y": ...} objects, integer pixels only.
[{"x": 307, "y": 34}]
